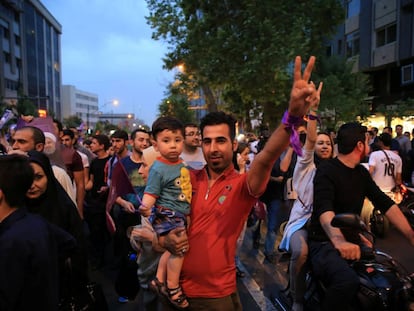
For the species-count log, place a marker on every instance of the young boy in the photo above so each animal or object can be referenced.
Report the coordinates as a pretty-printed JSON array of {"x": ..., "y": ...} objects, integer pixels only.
[{"x": 169, "y": 189}]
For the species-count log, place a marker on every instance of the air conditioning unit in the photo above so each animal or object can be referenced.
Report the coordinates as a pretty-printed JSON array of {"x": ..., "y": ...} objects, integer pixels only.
[{"x": 407, "y": 74}]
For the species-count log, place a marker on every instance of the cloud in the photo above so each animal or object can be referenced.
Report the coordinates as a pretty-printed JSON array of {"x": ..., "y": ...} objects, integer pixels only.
[{"x": 107, "y": 49}]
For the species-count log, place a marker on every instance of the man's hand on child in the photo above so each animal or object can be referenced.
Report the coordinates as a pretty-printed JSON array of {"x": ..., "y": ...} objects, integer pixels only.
[
  {"x": 176, "y": 241},
  {"x": 145, "y": 211}
]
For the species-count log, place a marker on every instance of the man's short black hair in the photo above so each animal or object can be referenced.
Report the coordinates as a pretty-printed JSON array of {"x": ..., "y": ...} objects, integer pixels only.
[
  {"x": 134, "y": 132},
  {"x": 37, "y": 134},
  {"x": 190, "y": 124},
  {"x": 16, "y": 177},
  {"x": 120, "y": 134},
  {"x": 386, "y": 139},
  {"x": 103, "y": 140},
  {"x": 68, "y": 132},
  {"x": 58, "y": 124},
  {"x": 167, "y": 123},
  {"x": 217, "y": 118},
  {"x": 349, "y": 135}
]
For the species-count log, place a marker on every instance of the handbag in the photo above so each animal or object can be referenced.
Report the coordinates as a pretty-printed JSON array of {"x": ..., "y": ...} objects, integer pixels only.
[
  {"x": 397, "y": 195},
  {"x": 86, "y": 297},
  {"x": 290, "y": 193}
]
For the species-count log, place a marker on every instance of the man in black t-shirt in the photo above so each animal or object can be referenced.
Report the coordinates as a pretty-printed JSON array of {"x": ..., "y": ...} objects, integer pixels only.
[
  {"x": 340, "y": 186},
  {"x": 95, "y": 200}
]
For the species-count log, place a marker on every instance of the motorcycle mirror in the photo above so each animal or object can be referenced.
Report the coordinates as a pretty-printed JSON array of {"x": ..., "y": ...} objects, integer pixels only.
[{"x": 348, "y": 220}]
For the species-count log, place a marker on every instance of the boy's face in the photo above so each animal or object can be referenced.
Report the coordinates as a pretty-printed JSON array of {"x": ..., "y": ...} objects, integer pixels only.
[
  {"x": 170, "y": 144},
  {"x": 96, "y": 146}
]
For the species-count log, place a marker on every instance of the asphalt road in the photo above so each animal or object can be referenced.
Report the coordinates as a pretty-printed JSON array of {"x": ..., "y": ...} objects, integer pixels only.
[{"x": 263, "y": 280}]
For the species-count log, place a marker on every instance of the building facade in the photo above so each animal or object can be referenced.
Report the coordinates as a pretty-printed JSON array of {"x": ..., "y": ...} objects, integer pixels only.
[
  {"x": 30, "y": 61},
  {"x": 378, "y": 35},
  {"x": 83, "y": 104}
]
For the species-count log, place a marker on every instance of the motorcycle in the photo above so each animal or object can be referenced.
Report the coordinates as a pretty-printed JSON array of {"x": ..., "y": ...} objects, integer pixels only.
[
  {"x": 379, "y": 222},
  {"x": 407, "y": 204},
  {"x": 384, "y": 283}
]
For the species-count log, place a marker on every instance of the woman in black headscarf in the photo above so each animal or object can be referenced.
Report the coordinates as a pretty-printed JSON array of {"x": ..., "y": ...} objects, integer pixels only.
[{"x": 47, "y": 198}]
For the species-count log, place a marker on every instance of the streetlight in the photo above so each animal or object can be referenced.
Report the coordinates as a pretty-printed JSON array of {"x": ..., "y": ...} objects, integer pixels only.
[{"x": 114, "y": 103}]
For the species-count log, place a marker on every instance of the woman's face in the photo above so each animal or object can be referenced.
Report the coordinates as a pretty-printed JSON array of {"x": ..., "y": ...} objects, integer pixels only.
[
  {"x": 39, "y": 184},
  {"x": 245, "y": 153},
  {"x": 323, "y": 147}
]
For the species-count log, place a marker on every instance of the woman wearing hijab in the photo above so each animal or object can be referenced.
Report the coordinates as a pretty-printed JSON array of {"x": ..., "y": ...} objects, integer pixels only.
[{"x": 47, "y": 198}]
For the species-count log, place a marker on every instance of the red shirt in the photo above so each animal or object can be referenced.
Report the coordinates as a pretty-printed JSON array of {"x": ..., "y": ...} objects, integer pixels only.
[{"x": 217, "y": 217}]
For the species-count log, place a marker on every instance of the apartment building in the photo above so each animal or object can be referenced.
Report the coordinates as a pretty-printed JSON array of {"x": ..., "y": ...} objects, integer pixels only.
[
  {"x": 378, "y": 35},
  {"x": 83, "y": 104},
  {"x": 30, "y": 59}
]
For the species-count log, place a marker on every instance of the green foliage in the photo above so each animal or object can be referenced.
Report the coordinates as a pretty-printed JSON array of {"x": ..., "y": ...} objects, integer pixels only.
[
  {"x": 19, "y": 106},
  {"x": 25, "y": 106},
  {"x": 400, "y": 108},
  {"x": 239, "y": 45},
  {"x": 343, "y": 91},
  {"x": 176, "y": 106},
  {"x": 179, "y": 94},
  {"x": 104, "y": 127},
  {"x": 72, "y": 121}
]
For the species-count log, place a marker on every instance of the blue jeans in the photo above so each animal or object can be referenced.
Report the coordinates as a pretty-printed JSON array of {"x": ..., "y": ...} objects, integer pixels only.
[{"x": 274, "y": 220}]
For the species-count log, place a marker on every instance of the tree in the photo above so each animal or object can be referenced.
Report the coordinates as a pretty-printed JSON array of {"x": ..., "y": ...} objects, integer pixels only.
[
  {"x": 176, "y": 106},
  {"x": 343, "y": 93},
  {"x": 242, "y": 44},
  {"x": 72, "y": 121},
  {"x": 26, "y": 107},
  {"x": 400, "y": 108},
  {"x": 179, "y": 94}
]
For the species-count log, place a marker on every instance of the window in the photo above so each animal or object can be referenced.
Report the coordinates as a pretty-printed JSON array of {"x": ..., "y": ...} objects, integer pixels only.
[
  {"x": 7, "y": 57},
  {"x": 11, "y": 85},
  {"x": 6, "y": 33},
  {"x": 407, "y": 74},
  {"x": 17, "y": 39},
  {"x": 352, "y": 8},
  {"x": 386, "y": 35},
  {"x": 352, "y": 44}
]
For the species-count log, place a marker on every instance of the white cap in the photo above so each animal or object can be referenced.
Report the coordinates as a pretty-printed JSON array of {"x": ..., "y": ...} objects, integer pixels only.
[{"x": 50, "y": 135}]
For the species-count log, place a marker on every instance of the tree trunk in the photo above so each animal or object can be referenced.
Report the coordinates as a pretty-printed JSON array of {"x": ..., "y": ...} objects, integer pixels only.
[{"x": 209, "y": 97}]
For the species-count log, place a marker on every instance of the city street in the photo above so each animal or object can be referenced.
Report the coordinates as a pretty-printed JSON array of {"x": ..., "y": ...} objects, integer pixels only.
[{"x": 264, "y": 280}]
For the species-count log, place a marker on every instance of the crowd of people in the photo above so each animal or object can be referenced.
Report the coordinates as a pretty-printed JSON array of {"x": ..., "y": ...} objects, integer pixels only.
[{"x": 177, "y": 200}]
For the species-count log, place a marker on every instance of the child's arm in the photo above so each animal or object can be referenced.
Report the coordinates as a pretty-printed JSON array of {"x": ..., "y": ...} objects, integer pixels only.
[{"x": 147, "y": 202}]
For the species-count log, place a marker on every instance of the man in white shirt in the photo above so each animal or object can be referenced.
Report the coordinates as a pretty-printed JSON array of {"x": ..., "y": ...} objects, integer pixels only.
[
  {"x": 192, "y": 153},
  {"x": 385, "y": 166}
]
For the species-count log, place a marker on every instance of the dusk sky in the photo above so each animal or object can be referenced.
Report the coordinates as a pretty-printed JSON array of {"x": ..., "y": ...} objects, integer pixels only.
[{"x": 107, "y": 49}]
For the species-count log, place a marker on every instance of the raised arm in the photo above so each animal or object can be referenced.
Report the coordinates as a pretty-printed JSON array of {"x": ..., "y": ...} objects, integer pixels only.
[
  {"x": 311, "y": 128},
  {"x": 300, "y": 100}
]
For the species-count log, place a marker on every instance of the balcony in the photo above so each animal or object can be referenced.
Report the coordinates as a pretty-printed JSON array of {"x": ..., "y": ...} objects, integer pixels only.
[{"x": 384, "y": 54}]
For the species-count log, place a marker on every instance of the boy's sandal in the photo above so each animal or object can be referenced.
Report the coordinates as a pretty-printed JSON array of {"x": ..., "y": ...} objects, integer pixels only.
[
  {"x": 181, "y": 301},
  {"x": 156, "y": 286}
]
